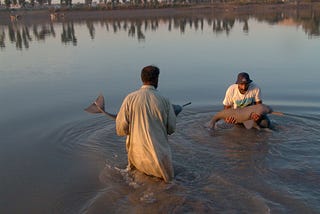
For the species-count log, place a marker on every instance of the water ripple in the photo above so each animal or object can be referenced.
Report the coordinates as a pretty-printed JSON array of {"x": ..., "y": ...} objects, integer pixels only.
[{"x": 230, "y": 169}]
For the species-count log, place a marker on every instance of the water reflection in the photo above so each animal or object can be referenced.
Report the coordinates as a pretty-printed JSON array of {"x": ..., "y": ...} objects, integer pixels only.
[
  {"x": 19, "y": 36},
  {"x": 68, "y": 34},
  {"x": 309, "y": 20},
  {"x": 19, "y": 33},
  {"x": 43, "y": 31},
  {"x": 2, "y": 37}
]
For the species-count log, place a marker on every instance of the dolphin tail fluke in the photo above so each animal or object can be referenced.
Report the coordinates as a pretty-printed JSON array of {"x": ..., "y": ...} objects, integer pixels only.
[{"x": 97, "y": 106}]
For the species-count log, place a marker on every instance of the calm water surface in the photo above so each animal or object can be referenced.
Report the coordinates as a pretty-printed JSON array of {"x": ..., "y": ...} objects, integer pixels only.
[{"x": 56, "y": 158}]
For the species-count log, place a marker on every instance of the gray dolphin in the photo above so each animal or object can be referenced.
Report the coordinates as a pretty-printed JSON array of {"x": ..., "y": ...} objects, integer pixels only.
[
  {"x": 243, "y": 115},
  {"x": 98, "y": 106}
]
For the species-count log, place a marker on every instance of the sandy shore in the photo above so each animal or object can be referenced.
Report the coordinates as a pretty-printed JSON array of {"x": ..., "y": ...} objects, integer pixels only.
[{"x": 195, "y": 10}]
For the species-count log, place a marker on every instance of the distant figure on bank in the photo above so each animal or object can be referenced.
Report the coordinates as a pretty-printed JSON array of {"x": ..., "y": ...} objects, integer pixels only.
[
  {"x": 244, "y": 93},
  {"x": 147, "y": 118}
]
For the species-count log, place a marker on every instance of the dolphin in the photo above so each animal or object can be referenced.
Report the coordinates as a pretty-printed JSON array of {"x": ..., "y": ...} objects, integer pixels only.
[
  {"x": 243, "y": 115},
  {"x": 98, "y": 106}
]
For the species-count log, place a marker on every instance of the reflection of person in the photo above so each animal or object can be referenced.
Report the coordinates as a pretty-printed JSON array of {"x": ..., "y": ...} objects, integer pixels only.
[
  {"x": 146, "y": 118},
  {"x": 244, "y": 93}
]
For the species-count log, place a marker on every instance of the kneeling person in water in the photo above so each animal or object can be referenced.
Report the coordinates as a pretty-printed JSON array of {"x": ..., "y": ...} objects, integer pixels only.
[{"x": 242, "y": 94}]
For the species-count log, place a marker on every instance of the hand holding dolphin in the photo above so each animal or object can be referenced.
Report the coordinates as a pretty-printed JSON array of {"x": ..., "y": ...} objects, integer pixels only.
[{"x": 243, "y": 115}]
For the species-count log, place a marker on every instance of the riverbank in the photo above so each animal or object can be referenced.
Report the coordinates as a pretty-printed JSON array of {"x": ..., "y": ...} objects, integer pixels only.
[{"x": 37, "y": 15}]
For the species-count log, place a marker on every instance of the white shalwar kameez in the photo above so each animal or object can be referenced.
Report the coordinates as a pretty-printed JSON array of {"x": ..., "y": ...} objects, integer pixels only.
[{"x": 147, "y": 118}]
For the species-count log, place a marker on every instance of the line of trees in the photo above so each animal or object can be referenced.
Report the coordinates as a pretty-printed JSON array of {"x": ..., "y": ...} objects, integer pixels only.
[
  {"x": 32, "y": 3},
  {"x": 22, "y": 35}
]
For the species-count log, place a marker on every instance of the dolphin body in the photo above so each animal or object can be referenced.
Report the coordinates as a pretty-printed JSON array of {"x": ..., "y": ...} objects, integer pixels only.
[
  {"x": 243, "y": 115},
  {"x": 98, "y": 106}
]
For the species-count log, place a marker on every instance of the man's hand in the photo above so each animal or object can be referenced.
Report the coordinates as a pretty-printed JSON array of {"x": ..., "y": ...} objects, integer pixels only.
[
  {"x": 255, "y": 117},
  {"x": 231, "y": 120}
]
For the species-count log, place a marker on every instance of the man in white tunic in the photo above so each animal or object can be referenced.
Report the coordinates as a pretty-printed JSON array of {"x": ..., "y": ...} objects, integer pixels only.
[
  {"x": 244, "y": 93},
  {"x": 147, "y": 118}
]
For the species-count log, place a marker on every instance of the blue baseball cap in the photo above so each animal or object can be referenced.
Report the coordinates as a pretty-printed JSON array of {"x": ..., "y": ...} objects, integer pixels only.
[{"x": 243, "y": 78}]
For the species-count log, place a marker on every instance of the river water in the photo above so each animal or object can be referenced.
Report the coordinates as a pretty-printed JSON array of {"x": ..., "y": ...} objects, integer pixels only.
[{"x": 57, "y": 158}]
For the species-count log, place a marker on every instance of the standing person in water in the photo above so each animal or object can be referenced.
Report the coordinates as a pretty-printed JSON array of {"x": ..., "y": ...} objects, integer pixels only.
[
  {"x": 147, "y": 118},
  {"x": 244, "y": 93}
]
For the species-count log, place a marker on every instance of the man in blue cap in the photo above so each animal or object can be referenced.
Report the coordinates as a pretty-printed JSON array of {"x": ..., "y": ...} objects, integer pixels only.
[{"x": 244, "y": 93}]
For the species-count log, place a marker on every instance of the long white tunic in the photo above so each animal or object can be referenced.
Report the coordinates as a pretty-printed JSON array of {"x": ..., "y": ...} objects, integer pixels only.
[{"x": 146, "y": 118}]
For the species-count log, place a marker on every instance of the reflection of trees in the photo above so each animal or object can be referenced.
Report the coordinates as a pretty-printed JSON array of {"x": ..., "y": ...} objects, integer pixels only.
[
  {"x": 170, "y": 25},
  {"x": 310, "y": 22},
  {"x": 270, "y": 19},
  {"x": 222, "y": 25},
  {"x": 43, "y": 31},
  {"x": 26, "y": 36},
  {"x": 245, "y": 27},
  {"x": 312, "y": 28},
  {"x": 136, "y": 28},
  {"x": 140, "y": 34},
  {"x": 12, "y": 34},
  {"x": 181, "y": 24},
  {"x": 21, "y": 37},
  {"x": 308, "y": 19},
  {"x": 91, "y": 29},
  {"x": 132, "y": 30},
  {"x": 19, "y": 34},
  {"x": 68, "y": 34},
  {"x": 2, "y": 37}
]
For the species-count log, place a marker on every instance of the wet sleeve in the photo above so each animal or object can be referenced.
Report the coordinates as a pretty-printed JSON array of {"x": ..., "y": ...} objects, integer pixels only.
[
  {"x": 171, "y": 126},
  {"x": 122, "y": 120},
  {"x": 258, "y": 95},
  {"x": 227, "y": 101}
]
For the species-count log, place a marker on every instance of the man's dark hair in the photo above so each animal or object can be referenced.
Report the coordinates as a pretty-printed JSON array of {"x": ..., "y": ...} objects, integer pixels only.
[{"x": 150, "y": 73}]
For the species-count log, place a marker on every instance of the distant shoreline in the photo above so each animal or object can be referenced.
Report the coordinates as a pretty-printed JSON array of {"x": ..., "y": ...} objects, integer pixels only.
[{"x": 35, "y": 15}]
